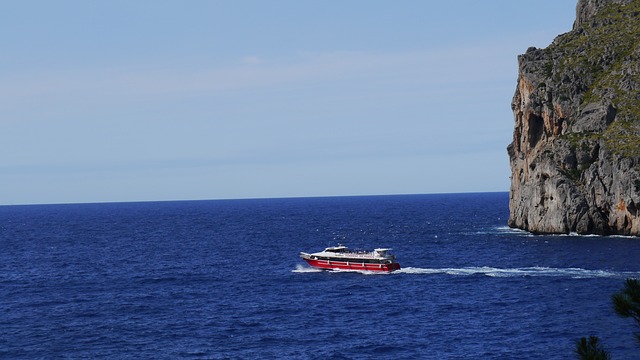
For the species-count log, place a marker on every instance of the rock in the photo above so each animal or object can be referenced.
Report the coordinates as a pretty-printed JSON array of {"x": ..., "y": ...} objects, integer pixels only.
[
  {"x": 594, "y": 117},
  {"x": 575, "y": 154},
  {"x": 587, "y": 9}
]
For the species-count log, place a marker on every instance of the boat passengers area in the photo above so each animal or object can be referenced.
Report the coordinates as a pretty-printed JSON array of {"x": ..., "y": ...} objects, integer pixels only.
[{"x": 354, "y": 254}]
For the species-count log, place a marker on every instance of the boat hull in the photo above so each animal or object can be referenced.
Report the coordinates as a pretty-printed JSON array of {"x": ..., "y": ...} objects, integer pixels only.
[{"x": 352, "y": 265}]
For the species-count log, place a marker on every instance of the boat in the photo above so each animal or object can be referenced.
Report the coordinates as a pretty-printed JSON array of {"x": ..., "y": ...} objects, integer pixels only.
[{"x": 340, "y": 257}]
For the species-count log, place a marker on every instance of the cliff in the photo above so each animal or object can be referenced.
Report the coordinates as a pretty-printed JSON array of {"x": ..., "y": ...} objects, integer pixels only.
[{"x": 575, "y": 155}]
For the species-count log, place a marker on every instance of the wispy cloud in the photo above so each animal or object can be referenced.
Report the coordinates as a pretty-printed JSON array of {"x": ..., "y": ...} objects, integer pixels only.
[
  {"x": 432, "y": 67},
  {"x": 252, "y": 60}
]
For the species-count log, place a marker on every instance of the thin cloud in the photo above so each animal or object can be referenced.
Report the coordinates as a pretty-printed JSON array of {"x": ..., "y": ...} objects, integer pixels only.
[
  {"x": 431, "y": 67},
  {"x": 252, "y": 60}
]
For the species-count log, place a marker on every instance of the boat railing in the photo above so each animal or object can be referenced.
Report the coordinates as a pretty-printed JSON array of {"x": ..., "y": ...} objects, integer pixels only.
[{"x": 360, "y": 254}]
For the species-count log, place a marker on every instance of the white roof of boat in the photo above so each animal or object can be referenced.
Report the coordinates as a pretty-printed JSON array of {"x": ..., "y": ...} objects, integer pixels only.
[
  {"x": 339, "y": 247},
  {"x": 342, "y": 247}
]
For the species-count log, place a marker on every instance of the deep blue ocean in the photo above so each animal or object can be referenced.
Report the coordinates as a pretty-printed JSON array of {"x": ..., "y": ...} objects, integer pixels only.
[{"x": 223, "y": 280}]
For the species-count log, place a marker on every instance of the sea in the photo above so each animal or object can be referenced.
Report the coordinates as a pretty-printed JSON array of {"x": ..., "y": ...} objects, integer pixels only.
[{"x": 223, "y": 280}]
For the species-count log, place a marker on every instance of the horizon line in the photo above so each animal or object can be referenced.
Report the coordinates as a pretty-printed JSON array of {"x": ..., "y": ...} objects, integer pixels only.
[{"x": 284, "y": 197}]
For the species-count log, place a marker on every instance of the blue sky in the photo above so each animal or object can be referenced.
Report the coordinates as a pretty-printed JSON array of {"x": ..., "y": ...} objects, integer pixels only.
[{"x": 166, "y": 100}]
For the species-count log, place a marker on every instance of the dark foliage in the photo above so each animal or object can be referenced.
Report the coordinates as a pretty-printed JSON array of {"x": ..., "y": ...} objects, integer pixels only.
[
  {"x": 591, "y": 349},
  {"x": 627, "y": 302}
]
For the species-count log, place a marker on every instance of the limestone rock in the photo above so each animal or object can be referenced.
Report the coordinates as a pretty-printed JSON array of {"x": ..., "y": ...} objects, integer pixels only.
[{"x": 575, "y": 154}]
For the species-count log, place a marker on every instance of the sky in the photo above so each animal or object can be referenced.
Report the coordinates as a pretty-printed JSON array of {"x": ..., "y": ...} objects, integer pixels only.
[{"x": 148, "y": 100}]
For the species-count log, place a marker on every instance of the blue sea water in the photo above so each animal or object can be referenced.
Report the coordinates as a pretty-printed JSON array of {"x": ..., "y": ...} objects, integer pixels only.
[{"x": 223, "y": 280}]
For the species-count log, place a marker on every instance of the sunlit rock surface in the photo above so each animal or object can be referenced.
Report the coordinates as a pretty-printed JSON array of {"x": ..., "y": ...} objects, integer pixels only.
[{"x": 575, "y": 155}]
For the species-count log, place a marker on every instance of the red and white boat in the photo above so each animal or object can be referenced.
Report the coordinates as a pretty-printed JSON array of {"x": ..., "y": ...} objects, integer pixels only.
[{"x": 340, "y": 257}]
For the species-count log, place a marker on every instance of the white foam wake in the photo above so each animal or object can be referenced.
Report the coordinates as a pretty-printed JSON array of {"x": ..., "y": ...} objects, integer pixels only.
[
  {"x": 534, "y": 271},
  {"x": 575, "y": 273},
  {"x": 305, "y": 269}
]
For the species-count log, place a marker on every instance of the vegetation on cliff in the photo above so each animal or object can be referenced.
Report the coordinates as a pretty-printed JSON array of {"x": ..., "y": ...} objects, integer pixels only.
[
  {"x": 575, "y": 156},
  {"x": 601, "y": 58}
]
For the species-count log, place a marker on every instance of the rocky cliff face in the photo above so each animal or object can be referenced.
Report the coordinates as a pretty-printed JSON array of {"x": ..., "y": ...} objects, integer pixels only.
[{"x": 575, "y": 155}]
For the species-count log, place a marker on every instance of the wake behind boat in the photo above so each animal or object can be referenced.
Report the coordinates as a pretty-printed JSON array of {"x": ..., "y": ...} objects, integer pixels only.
[{"x": 340, "y": 257}]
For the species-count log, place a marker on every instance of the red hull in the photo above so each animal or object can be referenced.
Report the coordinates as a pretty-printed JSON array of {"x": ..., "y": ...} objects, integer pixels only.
[{"x": 350, "y": 265}]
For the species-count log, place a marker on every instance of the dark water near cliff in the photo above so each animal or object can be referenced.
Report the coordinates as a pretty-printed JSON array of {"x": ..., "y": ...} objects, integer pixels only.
[{"x": 222, "y": 279}]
